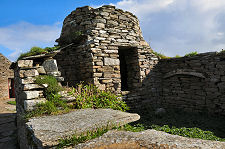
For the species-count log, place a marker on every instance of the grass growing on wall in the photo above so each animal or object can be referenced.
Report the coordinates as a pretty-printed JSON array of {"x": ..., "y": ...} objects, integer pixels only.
[
  {"x": 87, "y": 96},
  {"x": 191, "y": 54},
  {"x": 37, "y": 50},
  {"x": 52, "y": 84},
  {"x": 160, "y": 55}
]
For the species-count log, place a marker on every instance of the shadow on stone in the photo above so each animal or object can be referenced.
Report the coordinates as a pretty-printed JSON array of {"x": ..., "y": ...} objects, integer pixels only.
[{"x": 8, "y": 131}]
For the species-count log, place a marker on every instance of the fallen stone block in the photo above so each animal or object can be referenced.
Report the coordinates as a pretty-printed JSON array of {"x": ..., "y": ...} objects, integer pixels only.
[
  {"x": 148, "y": 139},
  {"x": 49, "y": 129}
]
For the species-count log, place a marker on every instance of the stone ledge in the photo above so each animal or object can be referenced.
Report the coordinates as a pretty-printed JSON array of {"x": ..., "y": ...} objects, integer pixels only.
[
  {"x": 48, "y": 129},
  {"x": 148, "y": 139}
]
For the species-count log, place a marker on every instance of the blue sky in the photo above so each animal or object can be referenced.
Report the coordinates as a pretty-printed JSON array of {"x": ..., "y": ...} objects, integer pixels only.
[{"x": 170, "y": 26}]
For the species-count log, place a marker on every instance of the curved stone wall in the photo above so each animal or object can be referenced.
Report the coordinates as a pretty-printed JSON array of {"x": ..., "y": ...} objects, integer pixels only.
[{"x": 109, "y": 50}]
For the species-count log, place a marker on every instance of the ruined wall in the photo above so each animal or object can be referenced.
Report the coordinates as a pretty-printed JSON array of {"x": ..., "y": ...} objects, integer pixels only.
[
  {"x": 27, "y": 92},
  {"x": 194, "y": 84},
  {"x": 107, "y": 34},
  {"x": 5, "y": 74}
]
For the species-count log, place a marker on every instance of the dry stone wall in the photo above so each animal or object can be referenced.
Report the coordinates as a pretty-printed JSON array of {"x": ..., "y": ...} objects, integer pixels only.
[
  {"x": 106, "y": 41},
  {"x": 75, "y": 64},
  {"x": 27, "y": 92},
  {"x": 5, "y": 74},
  {"x": 193, "y": 84}
]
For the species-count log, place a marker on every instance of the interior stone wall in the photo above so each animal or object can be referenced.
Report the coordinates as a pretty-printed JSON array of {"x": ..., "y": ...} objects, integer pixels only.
[
  {"x": 5, "y": 74},
  {"x": 75, "y": 64}
]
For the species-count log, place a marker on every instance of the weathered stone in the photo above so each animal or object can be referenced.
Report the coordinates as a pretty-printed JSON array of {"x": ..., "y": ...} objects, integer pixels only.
[
  {"x": 111, "y": 51},
  {"x": 114, "y": 23},
  {"x": 28, "y": 73},
  {"x": 55, "y": 74},
  {"x": 148, "y": 139},
  {"x": 25, "y": 63},
  {"x": 111, "y": 61},
  {"x": 99, "y": 21},
  {"x": 28, "y": 80},
  {"x": 50, "y": 65},
  {"x": 41, "y": 70},
  {"x": 78, "y": 122},
  {"x": 101, "y": 87},
  {"x": 31, "y": 86},
  {"x": 100, "y": 25},
  {"x": 30, "y": 94},
  {"x": 97, "y": 74},
  {"x": 104, "y": 13},
  {"x": 30, "y": 104},
  {"x": 59, "y": 79}
]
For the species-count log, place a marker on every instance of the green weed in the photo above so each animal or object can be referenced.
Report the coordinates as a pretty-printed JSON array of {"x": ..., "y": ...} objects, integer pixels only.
[
  {"x": 89, "y": 135},
  {"x": 76, "y": 139},
  {"x": 52, "y": 84},
  {"x": 89, "y": 96},
  {"x": 160, "y": 55},
  {"x": 12, "y": 102},
  {"x": 37, "y": 51},
  {"x": 191, "y": 54},
  {"x": 188, "y": 132}
]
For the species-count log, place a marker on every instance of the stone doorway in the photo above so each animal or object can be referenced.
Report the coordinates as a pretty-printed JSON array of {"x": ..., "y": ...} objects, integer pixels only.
[{"x": 129, "y": 68}]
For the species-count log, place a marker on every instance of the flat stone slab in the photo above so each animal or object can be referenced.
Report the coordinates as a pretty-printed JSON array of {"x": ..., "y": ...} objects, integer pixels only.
[
  {"x": 146, "y": 140},
  {"x": 48, "y": 129}
]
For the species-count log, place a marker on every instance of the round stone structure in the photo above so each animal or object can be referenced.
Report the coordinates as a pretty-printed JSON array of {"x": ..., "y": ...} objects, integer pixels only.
[{"x": 104, "y": 46}]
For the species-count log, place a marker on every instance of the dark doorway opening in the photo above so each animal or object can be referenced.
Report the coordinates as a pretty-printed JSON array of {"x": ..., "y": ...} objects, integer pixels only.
[
  {"x": 123, "y": 70},
  {"x": 129, "y": 68}
]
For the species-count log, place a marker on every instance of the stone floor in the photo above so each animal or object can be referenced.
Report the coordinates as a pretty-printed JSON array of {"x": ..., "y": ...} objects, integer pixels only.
[{"x": 8, "y": 138}]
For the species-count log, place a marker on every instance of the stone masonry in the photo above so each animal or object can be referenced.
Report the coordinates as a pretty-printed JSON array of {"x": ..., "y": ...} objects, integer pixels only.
[
  {"x": 28, "y": 94},
  {"x": 6, "y": 75},
  {"x": 195, "y": 84},
  {"x": 107, "y": 49}
]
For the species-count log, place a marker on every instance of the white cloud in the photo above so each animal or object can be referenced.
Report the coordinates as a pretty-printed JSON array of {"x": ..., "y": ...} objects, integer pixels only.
[
  {"x": 180, "y": 26},
  {"x": 143, "y": 7},
  {"x": 22, "y": 36}
]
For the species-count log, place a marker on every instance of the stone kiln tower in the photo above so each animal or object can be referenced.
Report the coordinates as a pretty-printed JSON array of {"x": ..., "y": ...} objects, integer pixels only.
[{"x": 104, "y": 46}]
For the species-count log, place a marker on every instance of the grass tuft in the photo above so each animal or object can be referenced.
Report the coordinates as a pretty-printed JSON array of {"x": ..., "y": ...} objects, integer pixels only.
[
  {"x": 160, "y": 55},
  {"x": 89, "y": 96},
  {"x": 12, "y": 102},
  {"x": 188, "y": 132},
  {"x": 191, "y": 54},
  {"x": 89, "y": 135},
  {"x": 36, "y": 51}
]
